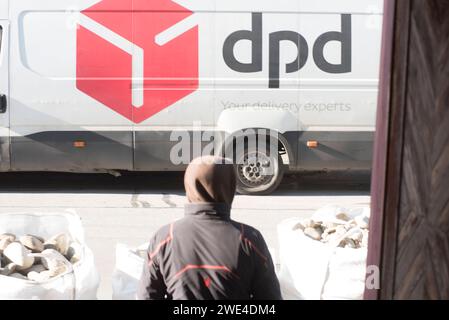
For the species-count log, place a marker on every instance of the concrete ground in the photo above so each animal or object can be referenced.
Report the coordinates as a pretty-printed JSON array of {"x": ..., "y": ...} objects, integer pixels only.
[{"x": 130, "y": 208}]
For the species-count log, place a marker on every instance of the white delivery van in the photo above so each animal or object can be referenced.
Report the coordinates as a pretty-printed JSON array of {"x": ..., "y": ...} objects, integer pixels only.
[{"x": 110, "y": 85}]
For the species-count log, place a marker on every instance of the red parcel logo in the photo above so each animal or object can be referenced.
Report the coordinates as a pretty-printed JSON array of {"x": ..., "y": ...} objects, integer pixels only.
[{"x": 137, "y": 57}]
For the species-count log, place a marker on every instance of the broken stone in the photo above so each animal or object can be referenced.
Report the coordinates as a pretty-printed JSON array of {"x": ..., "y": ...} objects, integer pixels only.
[
  {"x": 327, "y": 234},
  {"x": 330, "y": 225},
  {"x": 32, "y": 243},
  {"x": 53, "y": 261},
  {"x": 9, "y": 236},
  {"x": 353, "y": 230},
  {"x": 40, "y": 276},
  {"x": 299, "y": 226},
  {"x": 330, "y": 230},
  {"x": 314, "y": 233},
  {"x": 340, "y": 230},
  {"x": 35, "y": 268},
  {"x": 5, "y": 242},
  {"x": 41, "y": 239},
  {"x": 362, "y": 221},
  {"x": 74, "y": 253},
  {"x": 59, "y": 242},
  {"x": 343, "y": 216},
  {"x": 348, "y": 226},
  {"x": 350, "y": 243},
  {"x": 357, "y": 236},
  {"x": 306, "y": 223},
  {"x": 325, "y": 237},
  {"x": 27, "y": 257},
  {"x": 8, "y": 269},
  {"x": 334, "y": 239},
  {"x": 351, "y": 224},
  {"x": 315, "y": 224},
  {"x": 19, "y": 255},
  {"x": 58, "y": 271}
]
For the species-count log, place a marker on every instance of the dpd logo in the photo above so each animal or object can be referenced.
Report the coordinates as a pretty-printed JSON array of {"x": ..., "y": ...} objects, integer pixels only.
[
  {"x": 137, "y": 57},
  {"x": 256, "y": 38}
]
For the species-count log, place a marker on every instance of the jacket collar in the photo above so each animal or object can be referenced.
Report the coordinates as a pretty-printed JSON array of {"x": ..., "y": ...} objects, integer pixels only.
[{"x": 217, "y": 210}]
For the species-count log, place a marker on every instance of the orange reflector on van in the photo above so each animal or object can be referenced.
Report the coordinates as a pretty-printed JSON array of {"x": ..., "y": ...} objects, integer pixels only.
[
  {"x": 312, "y": 144},
  {"x": 79, "y": 144}
]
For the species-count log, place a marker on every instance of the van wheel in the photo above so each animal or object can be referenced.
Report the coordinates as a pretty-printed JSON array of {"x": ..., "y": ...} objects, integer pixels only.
[{"x": 258, "y": 172}]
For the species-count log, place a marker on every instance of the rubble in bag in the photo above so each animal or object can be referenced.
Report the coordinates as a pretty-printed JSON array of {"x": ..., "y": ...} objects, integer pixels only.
[
  {"x": 344, "y": 231},
  {"x": 34, "y": 258}
]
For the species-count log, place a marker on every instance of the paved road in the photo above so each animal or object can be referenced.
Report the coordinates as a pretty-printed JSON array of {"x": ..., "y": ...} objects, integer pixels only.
[{"x": 130, "y": 208}]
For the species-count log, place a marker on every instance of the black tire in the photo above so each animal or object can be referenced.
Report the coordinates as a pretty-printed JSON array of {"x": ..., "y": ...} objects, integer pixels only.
[{"x": 262, "y": 184}]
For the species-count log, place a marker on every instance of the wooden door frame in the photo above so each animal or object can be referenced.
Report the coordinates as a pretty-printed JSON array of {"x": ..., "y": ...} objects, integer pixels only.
[{"x": 388, "y": 146}]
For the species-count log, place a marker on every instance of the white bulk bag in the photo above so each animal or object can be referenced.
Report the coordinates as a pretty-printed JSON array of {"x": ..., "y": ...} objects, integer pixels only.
[
  {"x": 313, "y": 270},
  {"x": 127, "y": 273},
  {"x": 79, "y": 284},
  {"x": 128, "y": 270}
]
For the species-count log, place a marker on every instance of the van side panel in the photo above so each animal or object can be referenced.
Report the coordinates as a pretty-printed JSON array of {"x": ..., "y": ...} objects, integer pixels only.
[
  {"x": 4, "y": 9},
  {"x": 48, "y": 112},
  {"x": 335, "y": 151},
  {"x": 158, "y": 150},
  {"x": 4, "y": 153},
  {"x": 57, "y": 151}
]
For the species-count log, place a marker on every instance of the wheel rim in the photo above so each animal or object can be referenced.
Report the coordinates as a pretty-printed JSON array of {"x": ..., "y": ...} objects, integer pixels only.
[{"x": 257, "y": 169}]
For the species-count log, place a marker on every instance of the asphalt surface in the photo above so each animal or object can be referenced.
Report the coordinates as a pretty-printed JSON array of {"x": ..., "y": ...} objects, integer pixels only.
[{"x": 130, "y": 208}]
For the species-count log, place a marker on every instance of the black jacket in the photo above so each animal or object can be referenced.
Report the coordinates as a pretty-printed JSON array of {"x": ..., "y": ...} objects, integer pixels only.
[{"x": 206, "y": 255}]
